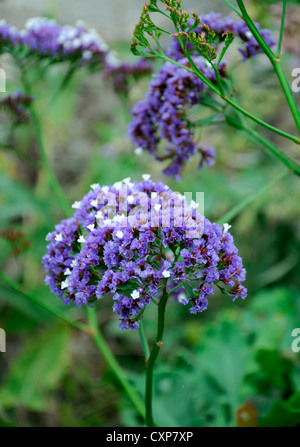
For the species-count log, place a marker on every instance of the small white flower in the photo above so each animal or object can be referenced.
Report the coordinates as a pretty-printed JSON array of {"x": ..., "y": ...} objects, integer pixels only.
[
  {"x": 126, "y": 180},
  {"x": 166, "y": 187},
  {"x": 194, "y": 204},
  {"x": 138, "y": 151},
  {"x": 248, "y": 34},
  {"x": 94, "y": 203},
  {"x": 64, "y": 284},
  {"x": 99, "y": 215},
  {"x": 118, "y": 185},
  {"x": 87, "y": 54},
  {"x": 94, "y": 186},
  {"x": 58, "y": 237},
  {"x": 107, "y": 221},
  {"x": 118, "y": 218},
  {"x": 81, "y": 239},
  {"x": 130, "y": 199},
  {"x": 154, "y": 195},
  {"x": 67, "y": 272},
  {"x": 157, "y": 207},
  {"x": 76, "y": 205},
  {"x": 120, "y": 234},
  {"x": 105, "y": 189},
  {"x": 146, "y": 176},
  {"x": 181, "y": 297},
  {"x": 226, "y": 227},
  {"x": 91, "y": 227},
  {"x": 135, "y": 294},
  {"x": 74, "y": 263},
  {"x": 166, "y": 274}
]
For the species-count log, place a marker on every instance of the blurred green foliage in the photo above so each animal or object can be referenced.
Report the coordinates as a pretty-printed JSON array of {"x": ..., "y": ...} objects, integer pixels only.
[{"x": 232, "y": 365}]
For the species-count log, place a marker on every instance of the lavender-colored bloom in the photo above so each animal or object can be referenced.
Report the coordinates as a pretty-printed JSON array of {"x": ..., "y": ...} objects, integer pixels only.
[
  {"x": 44, "y": 38},
  {"x": 162, "y": 115},
  {"x": 17, "y": 104},
  {"x": 127, "y": 240}
]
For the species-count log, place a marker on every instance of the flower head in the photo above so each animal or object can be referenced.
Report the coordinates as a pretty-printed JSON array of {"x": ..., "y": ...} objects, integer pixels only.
[{"x": 132, "y": 259}]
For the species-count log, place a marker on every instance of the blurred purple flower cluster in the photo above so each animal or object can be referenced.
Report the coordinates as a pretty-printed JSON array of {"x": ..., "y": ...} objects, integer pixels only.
[
  {"x": 132, "y": 239},
  {"x": 163, "y": 114},
  {"x": 45, "y": 38},
  {"x": 17, "y": 104}
]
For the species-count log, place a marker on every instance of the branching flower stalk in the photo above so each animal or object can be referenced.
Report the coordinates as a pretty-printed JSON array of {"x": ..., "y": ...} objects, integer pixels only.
[{"x": 196, "y": 39}]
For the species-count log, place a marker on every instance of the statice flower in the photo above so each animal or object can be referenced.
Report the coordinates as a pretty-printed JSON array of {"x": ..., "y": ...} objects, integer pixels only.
[
  {"x": 123, "y": 74},
  {"x": 162, "y": 115},
  {"x": 17, "y": 103},
  {"x": 220, "y": 25},
  {"x": 133, "y": 239},
  {"x": 45, "y": 38}
]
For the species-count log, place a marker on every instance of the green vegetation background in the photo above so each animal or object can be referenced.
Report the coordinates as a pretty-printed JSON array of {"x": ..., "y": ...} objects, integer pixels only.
[{"x": 233, "y": 364}]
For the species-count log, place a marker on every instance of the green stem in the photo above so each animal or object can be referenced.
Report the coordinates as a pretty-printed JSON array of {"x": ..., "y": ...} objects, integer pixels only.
[
  {"x": 153, "y": 357},
  {"x": 144, "y": 340},
  {"x": 115, "y": 367},
  {"x": 275, "y": 61},
  {"x": 278, "y": 52},
  {"x": 54, "y": 184},
  {"x": 241, "y": 206},
  {"x": 262, "y": 123},
  {"x": 228, "y": 2},
  {"x": 256, "y": 34},
  {"x": 91, "y": 330},
  {"x": 201, "y": 76},
  {"x": 287, "y": 161},
  {"x": 287, "y": 92},
  {"x": 44, "y": 304}
]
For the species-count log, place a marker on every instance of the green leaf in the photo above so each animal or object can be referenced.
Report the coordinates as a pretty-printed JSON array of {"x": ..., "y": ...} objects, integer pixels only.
[{"x": 283, "y": 413}]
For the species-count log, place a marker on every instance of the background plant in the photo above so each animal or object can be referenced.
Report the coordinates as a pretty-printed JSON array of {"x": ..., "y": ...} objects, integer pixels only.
[{"x": 270, "y": 253}]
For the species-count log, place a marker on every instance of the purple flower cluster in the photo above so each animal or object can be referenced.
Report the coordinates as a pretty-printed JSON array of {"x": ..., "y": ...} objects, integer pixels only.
[
  {"x": 220, "y": 25},
  {"x": 163, "y": 115},
  {"x": 130, "y": 241},
  {"x": 123, "y": 74},
  {"x": 17, "y": 104},
  {"x": 44, "y": 38}
]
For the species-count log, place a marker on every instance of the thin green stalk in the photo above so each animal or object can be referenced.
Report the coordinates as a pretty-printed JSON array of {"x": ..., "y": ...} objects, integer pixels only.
[
  {"x": 144, "y": 339},
  {"x": 153, "y": 356},
  {"x": 278, "y": 52},
  {"x": 258, "y": 37},
  {"x": 276, "y": 63},
  {"x": 262, "y": 123},
  {"x": 109, "y": 357},
  {"x": 91, "y": 330},
  {"x": 241, "y": 206},
  {"x": 201, "y": 76},
  {"x": 56, "y": 188},
  {"x": 287, "y": 91},
  {"x": 228, "y": 2},
  {"x": 44, "y": 304},
  {"x": 287, "y": 161},
  {"x": 53, "y": 182}
]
